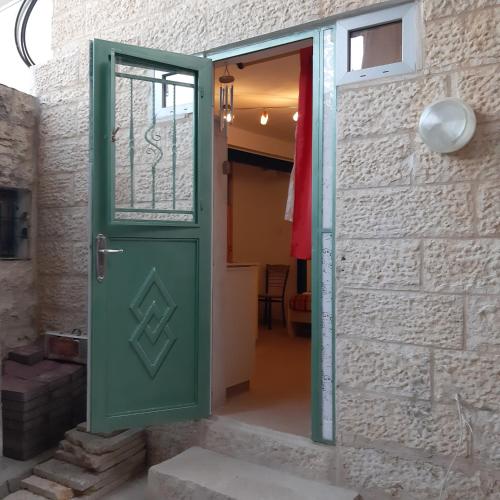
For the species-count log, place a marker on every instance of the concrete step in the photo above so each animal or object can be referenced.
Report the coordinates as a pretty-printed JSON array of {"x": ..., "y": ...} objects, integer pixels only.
[
  {"x": 47, "y": 489},
  {"x": 201, "y": 473},
  {"x": 296, "y": 455}
]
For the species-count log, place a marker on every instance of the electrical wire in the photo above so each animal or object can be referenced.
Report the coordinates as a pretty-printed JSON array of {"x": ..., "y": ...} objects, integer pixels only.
[
  {"x": 20, "y": 27},
  {"x": 464, "y": 426}
]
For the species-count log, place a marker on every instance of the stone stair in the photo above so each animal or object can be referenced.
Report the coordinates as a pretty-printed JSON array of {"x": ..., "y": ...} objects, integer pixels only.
[
  {"x": 201, "y": 473},
  {"x": 87, "y": 466}
]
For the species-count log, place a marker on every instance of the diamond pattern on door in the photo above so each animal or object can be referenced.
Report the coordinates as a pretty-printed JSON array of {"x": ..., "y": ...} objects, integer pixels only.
[{"x": 153, "y": 308}]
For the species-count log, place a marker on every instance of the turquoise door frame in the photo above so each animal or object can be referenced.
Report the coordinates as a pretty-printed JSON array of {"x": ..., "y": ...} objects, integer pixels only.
[{"x": 317, "y": 36}]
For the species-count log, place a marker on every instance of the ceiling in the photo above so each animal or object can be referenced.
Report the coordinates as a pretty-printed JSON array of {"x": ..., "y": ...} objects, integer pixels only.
[{"x": 264, "y": 85}]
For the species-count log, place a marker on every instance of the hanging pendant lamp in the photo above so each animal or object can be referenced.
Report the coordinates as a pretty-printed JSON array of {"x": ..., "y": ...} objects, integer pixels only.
[{"x": 226, "y": 99}]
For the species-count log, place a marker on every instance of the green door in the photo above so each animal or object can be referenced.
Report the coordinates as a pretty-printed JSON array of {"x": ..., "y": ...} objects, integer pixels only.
[{"x": 150, "y": 292}]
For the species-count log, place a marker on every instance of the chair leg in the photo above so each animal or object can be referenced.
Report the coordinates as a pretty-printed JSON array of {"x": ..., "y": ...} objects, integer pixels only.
[
  {"x": 283, "y": 313},
  {"x": 270, "y": 316}
]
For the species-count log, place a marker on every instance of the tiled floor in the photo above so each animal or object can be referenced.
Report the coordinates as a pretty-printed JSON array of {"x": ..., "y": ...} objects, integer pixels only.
[{"x": 280, "y": 393}]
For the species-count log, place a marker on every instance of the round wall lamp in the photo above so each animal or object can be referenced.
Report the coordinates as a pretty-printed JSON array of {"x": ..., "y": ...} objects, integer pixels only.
[{"x": 447, "y": 125}]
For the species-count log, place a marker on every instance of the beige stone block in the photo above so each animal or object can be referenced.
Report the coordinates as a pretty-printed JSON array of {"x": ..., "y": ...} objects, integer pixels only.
[
  {"x": 230, "y": 21},
  {"x": 478, "y": 160},
  {"x": 486, "y": 432},
  {"x": 405, "y": 212},
  {"x": 47, "y": 489},
  {"x": 68, "y": 223},
  {"x": 59, "y": 121},
  {"x": 374, "y": 162},
  {"x": 63, "y": 317},
  {"x": 483, "y": 322},
  {"x": 57, "y": 72},
  {"x": 386, "y": 107},
  {"x": 382, "y": 473},
  {"x": 54, "y": 258},
  {"x": 377, "y": 419},
  {"x": 56, "y": 190},
  {"x": 81, "y": 187},
  {"x": 64, "y": 155},
  {"x": 412, "y": 318},
  {"x": 186, "y": 30},
  {"x": 488, "y": 209},
  {"x": 434, "y": 9},
  {"x": 336, "y": 7},
  {"x": 68, "y": 25},
  {"x": 388, "y": 369},
  {"x": 465, "y": 40},
  {"x": 474, "y": 376},
  {"x": 379, "y": 263},
  {"x": 61, "y": 291},
  {"x": 81, "y": 258},
  {"x": 462, "y": 265},
  {"x": 480, "y": 90}
]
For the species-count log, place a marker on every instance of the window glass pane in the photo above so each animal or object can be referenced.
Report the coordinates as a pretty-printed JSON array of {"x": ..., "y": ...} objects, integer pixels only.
[
  {"x": 154, "y": 144},
  {"x": 375, "y": 46}
]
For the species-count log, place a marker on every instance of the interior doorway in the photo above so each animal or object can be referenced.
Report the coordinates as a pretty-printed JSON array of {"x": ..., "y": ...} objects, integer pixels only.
[{"x": 262, "y": 291}]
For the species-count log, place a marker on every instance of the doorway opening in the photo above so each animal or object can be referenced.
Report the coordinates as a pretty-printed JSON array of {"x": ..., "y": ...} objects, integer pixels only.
[{"x": 262, "y": 290}]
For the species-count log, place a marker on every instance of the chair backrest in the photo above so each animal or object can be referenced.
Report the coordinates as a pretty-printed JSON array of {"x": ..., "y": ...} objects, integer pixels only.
[{"x": 276, "y": 278}]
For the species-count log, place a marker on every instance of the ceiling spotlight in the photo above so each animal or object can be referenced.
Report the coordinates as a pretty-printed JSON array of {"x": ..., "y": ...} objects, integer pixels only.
[
  {"x": 295, "y": 116},
  {"x": 264, "y": 117}
]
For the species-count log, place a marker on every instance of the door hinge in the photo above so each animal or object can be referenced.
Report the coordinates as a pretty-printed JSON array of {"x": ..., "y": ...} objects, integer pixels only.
[{"x": 202, "y": 92}]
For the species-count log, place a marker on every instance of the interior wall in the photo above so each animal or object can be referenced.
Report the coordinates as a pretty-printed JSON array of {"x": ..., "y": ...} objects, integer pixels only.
[
  {"x": 261, "y": 143},
  {"x": 260, "y": 232}
]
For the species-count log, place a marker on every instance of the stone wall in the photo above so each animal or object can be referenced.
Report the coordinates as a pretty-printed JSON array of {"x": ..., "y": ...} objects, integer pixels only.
[
  {"x": 18, "y": 143},
  {"x": 418, "y": 242}
]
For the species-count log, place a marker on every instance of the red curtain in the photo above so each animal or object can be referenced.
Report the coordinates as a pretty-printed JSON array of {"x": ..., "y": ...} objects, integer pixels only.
[{"x": 302, "y": 207}]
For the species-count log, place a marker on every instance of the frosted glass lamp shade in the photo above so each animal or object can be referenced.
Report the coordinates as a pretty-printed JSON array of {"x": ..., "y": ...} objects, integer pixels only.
[{"x": 447, "y": 125}]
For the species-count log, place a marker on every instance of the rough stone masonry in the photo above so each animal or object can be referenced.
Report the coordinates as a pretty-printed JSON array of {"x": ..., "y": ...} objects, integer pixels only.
[
  {"x": 18, "y": 145},
  {"x": 418, "y": 241}
]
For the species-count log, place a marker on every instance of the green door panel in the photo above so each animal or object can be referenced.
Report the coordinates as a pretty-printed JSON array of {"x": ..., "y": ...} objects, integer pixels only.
[{"x": 151, "y": 198}]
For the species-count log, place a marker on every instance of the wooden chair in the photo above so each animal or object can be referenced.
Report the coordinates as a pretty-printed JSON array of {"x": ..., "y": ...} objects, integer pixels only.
[{"x": 276, "y": 279}]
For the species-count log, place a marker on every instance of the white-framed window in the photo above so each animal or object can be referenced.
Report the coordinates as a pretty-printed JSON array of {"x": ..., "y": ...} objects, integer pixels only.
[{"x": 378, "y": 44}]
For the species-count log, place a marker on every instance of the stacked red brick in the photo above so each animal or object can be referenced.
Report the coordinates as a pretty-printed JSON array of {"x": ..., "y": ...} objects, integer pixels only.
[{"x": 41, "y": 399}]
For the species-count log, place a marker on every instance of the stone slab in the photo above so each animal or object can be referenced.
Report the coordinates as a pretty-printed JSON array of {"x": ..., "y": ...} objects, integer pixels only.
[
  {"x": 98, "y": 445},
  {"x": 200, "y": 473},
  {"x": 97, "y": 463},
  {"x": 27, "y": 355},
  {"x": 82, "y": 427},
  {"x": 82, "y": 481},
  {"x": 47, "y": 489},
  {"x": 112, "y": 485},
  {"x": 24, "y": 495},
  {"x": 17, "y": 389}
]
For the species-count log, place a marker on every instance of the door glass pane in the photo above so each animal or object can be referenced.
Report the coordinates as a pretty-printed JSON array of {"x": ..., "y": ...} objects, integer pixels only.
[
  {"x": 375, "y": 46},
  {"x": 154, "y": 144}
]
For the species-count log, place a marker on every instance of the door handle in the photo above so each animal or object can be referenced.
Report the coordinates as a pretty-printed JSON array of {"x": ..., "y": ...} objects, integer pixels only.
[
  {"x": 100, "y": 256},
  {"x": 110, "y": 250}
]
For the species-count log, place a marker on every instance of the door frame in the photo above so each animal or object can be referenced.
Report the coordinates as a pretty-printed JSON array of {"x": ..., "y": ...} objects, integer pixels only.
[{"x": 271, "y": 41}]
